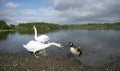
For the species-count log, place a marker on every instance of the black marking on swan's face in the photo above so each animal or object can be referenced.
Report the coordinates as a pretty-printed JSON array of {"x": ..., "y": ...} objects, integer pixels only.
[{"x": 70, "y": 44}]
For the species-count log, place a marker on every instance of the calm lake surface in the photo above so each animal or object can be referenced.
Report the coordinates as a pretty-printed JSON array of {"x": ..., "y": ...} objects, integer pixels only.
[{"x": 99, "y": 46}]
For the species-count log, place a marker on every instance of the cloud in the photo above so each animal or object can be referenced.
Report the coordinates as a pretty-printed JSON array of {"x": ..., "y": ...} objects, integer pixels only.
[
  {"x": 8, "y": 15},
  {"x": 64, "y": 12},
  {"x": 84, "y": 11},
  {"x": 29, "y": 12},
  {"x": 66, "y": 4},
  {"x": 41, "y": 11},
  {"x": 32, "y": 15},
  {"x": 11, "y": 5}
]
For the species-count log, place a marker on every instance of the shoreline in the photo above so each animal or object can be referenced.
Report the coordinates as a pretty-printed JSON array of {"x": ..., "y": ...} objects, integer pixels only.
[
  {"x": 21, "y": 62},
  {"x": 7, "y": 30}
]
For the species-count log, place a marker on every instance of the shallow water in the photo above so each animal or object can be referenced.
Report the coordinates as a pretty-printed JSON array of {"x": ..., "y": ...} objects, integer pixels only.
[{"x": 99, "y": 46}]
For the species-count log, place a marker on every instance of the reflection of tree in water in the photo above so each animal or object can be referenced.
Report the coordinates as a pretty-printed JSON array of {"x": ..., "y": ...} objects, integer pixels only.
[
  {"x": 3, "y": 35},
  {"x": 29, "y": 31}
]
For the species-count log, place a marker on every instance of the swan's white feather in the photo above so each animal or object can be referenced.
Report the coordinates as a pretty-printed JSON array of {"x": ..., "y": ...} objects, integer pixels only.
[
  {"x": 41, "y": 38},
  {"x": 34, "y": 46}
]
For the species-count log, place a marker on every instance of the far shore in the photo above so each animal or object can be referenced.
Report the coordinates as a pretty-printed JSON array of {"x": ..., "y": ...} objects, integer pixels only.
[{"x": 7, "y": 30}]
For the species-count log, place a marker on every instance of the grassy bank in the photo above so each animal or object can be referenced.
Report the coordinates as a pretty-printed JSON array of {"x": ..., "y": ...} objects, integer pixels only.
[{"x": 7, "y": 30}]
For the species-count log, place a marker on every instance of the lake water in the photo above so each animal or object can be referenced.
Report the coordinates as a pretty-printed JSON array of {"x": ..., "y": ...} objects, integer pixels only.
[{"x": 99, "y": 46}]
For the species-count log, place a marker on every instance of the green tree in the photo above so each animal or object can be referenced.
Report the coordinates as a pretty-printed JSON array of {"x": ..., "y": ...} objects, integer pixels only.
[
  {"x": 11, "y": 26},
  {"x": 3, "y": 25}
]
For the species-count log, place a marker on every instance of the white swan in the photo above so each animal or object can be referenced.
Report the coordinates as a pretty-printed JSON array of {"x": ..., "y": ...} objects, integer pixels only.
[
  {"x": 41, "y": 38},
  {"x": 34, "y": 46},
  {"x": 74, "y": 50}
]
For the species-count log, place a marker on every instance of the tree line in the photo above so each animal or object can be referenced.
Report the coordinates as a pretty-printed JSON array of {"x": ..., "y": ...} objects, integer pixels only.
[
  {"x": 115, "y": 25},
  {"x": 5, "y": 26},
  {"x": 50, "y": 26},
  {"x": 42, "y": 27}
]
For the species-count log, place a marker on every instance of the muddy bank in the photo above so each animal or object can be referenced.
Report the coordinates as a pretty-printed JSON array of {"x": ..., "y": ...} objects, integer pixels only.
[{"x": 20, "y": 62}]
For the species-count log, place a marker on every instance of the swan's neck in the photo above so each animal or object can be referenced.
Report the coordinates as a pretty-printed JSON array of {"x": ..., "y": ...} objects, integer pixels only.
[
  {"x": 53, "y": 44},
  {"x": 35, "y": 32}
]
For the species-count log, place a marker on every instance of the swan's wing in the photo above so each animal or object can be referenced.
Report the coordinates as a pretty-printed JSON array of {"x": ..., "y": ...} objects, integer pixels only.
[
  {"x": 34, "y": 46},
  {"x": 31, "y": 44},
  {"x": 43, "y": 38}
]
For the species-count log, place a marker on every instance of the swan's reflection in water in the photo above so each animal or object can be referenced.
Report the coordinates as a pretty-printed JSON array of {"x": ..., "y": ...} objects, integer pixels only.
[{"x": 43, "y": 52}]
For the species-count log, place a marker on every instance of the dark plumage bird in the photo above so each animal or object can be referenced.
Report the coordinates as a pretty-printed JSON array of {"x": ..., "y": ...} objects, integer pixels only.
[{"x": 74, "y": 50}]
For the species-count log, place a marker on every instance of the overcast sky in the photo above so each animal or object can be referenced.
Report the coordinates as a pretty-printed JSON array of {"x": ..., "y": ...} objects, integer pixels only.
[{"x": 60, "y": 11}]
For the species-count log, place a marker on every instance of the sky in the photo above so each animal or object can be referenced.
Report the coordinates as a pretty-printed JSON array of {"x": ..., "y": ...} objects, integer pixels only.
[{"x": 60, "y": 11}]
